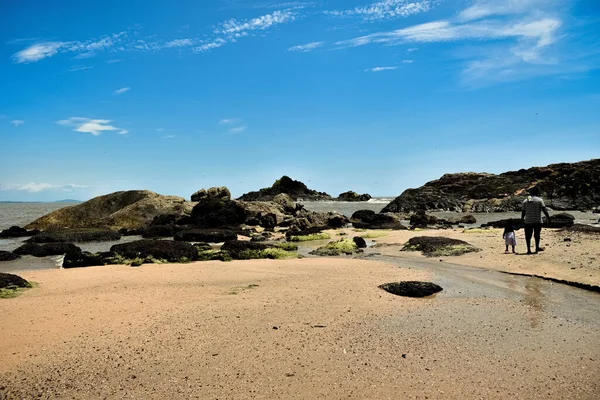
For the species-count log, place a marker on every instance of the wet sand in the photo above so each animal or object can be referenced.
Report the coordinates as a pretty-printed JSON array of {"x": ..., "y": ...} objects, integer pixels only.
[{"x": 298, "y": 329}]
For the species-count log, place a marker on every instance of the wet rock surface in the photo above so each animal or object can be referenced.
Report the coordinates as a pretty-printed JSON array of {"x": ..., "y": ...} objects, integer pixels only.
[
  {"x": 47, "y": 249},
  {"x": 8, "y": 256},
  {"x": 206, "y": 235},
  {"x": 167, "y": 250},
  {"x": 16, "y": 231},
  {"x": 411, "y": 288},
  {"x": 75, "y": 235},
  {"x": 340, "y": 247}
]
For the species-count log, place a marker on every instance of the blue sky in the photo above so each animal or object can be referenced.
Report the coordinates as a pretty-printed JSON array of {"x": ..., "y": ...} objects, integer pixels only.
[{"x": 371, "y": 96}]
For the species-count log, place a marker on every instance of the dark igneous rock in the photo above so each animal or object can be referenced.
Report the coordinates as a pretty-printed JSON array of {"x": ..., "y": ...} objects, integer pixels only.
[
  {"x": 159, "y": 249},
  {"x": 353, "y": 196},
  {"x": 295, "y": 189}
]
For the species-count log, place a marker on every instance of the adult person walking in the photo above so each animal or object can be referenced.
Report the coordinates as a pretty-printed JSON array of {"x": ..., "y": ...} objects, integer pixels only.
[{"x": 531, "y": 216}]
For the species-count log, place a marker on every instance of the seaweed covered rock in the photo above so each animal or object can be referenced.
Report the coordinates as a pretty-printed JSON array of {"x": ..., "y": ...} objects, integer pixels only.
[
  {"x": 75, "y": 235},
  {"x": 295, "y": 189},
  {"x": 214, "y": 193},
  {"x": 434, "y": 246},
  {"x": 167, "y": 250},
  {"x": 286, "y": 202},
  {"x": 8, "y": 256},
  {"x": 243, "y": 250},
  {"x": 9, "y": 281},
  {"x": 420, "y": 218},
  {"x": 336, "y": 248},
  {"x": 580, "y": 228},
  {"x": 411, "y": 288},
  {"x": 206, "y": 235},
  {"x": 467, "y": 219},
  {"x": 16, "y": 231},
  {"x": 133, "y": 209},
  {"x": 353, "y": 196},
  {"x": 560, "y": 220},
  {"x": 213, "y": 213},
  {"x": 47, "y": 249},
  {"x": 82, "y": 259},
  {"x": 161, "y": 231}
]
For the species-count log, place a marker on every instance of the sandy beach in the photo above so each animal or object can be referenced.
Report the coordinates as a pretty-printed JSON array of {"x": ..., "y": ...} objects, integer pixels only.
[{"x": 311, "y": 328}]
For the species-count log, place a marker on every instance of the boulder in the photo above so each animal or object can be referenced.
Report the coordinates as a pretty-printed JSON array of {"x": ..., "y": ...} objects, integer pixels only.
[
  {"x": 133, "y": 209},
  {"x": 82, "y": 259},
  {"x": 563, "y": 186},
  {"x": 15, "y": 232},
  {"x": 295, "y": 189},
  {"x": 580, "y": 228},
  {"x": 75, "y": 235},
  {"x": 286, "y": 202},
  {"x": 353, "y": 196},
  {"x": 214, "y": 193},
  {"x": 9, "y": 281},
  {"x": 206, "y": 235},
  {"x": 560, "y": 220},
  {"x": 8, "y": 256},
  {"x": 433, "y": 246},
  {"x": 243, "y": 249},
  {"x": 360, "y": 242},
  {"x": 336, "y": 248},
  {"x": 48, "y": 249},
  {"x": 467, "y": 219},
  {"x": 166, "y": 250},
  {"x": 161, "y": 231},
  {"x": 218, "y": 214},
  {"x": 420, "y": 218},
  {"x": 363, "y": 219},
  {"x": 411, "y": 288},
  {"x": 363, "y": 216}
]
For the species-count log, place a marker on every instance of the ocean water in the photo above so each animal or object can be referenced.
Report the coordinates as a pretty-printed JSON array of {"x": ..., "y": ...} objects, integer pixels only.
[{"x": 21, "y": 214}]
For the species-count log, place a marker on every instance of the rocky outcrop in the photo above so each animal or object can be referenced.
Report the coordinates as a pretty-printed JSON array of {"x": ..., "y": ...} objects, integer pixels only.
[
  {"x": 368, "y": 219},
  {"x": 48, "y": 249},
  {"x": 561, "y": 220},
  {"x": 133, "y": 209},
  {"x": 214, "y": 193},
  {"x": 75, "y": 235},
  {"x": 206, "y": 235},
  {"x": 15, "y": 232},
  {"x": 295, "y": 189},
  {"x": 564, "y": 186},
  {"x": 166, "y": 250},
  {"x": 12, "y": 281},
  {"x": 435, "y": 246},
  {"x": 353, "y": 196},
  {"x": 8, "y": 256}
]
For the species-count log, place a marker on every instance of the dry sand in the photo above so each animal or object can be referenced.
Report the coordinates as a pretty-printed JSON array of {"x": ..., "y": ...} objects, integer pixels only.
[{"x": 305, "y": 329}]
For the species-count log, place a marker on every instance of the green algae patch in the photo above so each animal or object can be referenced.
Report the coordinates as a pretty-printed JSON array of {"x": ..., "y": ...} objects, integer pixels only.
[
  {"x": 213, "y": 255},
  {"x": 374, "y": 235},
  {"x": 287, "y": 246},
  {"x": 336, "y": 248},
  {"x": 278, "y": 254},
  {"x": 312, "y": 236},
  {"x": 432, "y": 246},
  {"x": 476, "y": 230}
]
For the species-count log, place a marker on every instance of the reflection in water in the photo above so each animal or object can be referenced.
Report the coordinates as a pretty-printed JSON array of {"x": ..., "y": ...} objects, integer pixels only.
[{"x": 533, "y": 298}]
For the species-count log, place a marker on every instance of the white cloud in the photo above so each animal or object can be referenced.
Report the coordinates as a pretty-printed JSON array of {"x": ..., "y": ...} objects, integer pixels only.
[
  {"x": 37, "y": 52},
  {"x": 388, "y": 9},
  {"x": 179, "y": 43},
  {"x": 237, "y": 129},
  {"x": 227, "y": 121},
  {"x": 215, "y": 44},
  {"x": 380, "y": 69},
  {"x": 412, "y": 49},
  {"x": 123, "y": 132},
  {"x": 17, "y": 122},
  {"x": 306, "y": 47},
  {"x": 122, "y": 90},
  {"x": 234, "y": 28},
  {"x": 408, "y": 61},
  {"x": 485, "y": 8},
  {"x": 88, "y": 125},
  {"x": 38, "y": 187}
]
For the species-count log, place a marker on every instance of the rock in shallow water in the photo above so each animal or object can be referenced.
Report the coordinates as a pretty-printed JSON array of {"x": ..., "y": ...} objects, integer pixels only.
[{"x": 411, "y": 288}]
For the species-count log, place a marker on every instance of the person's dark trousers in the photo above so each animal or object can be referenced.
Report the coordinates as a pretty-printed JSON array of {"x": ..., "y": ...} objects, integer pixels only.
[{"x": 534, "y": 230}]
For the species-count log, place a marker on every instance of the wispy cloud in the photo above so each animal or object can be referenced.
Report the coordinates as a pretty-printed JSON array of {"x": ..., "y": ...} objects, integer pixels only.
[
  {"x": 39, "y": 187},
  {"x": 227, "y": 121},
  {"x": 89, "y": 125},
  {"x": 214, "y": 44},
  {"x": 37, "y": 52},
  {"x": 123, "y": 132},
  {"x": 169, "y": 137},
  {"x": 408, "y": 61},
  {"x": 380, "y": 69},
  {"x": 485, "y": 8},
  {"x": 306, "y": 47},
  {"x": 237, "y": 129},
  {"x": 387, "y": 9},
  {"x": 76, "y": 68},
  {"x": 17, "y": 122},
  {"x": 236, "y": 29},
  {"x": 113, "y": 61},
  {"x": 122, "y": 90}
]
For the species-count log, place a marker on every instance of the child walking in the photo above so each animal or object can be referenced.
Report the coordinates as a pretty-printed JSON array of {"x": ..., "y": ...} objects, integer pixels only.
[{"x": 509, "y": 236}]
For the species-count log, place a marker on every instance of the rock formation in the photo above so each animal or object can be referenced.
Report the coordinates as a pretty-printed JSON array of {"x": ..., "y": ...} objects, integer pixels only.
[
  {"x": 133, "y": 209},
  {"x": 295, "y": 189},
  {"x": 564, "y": 186},
  {"x": 353, "y": 196}
]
